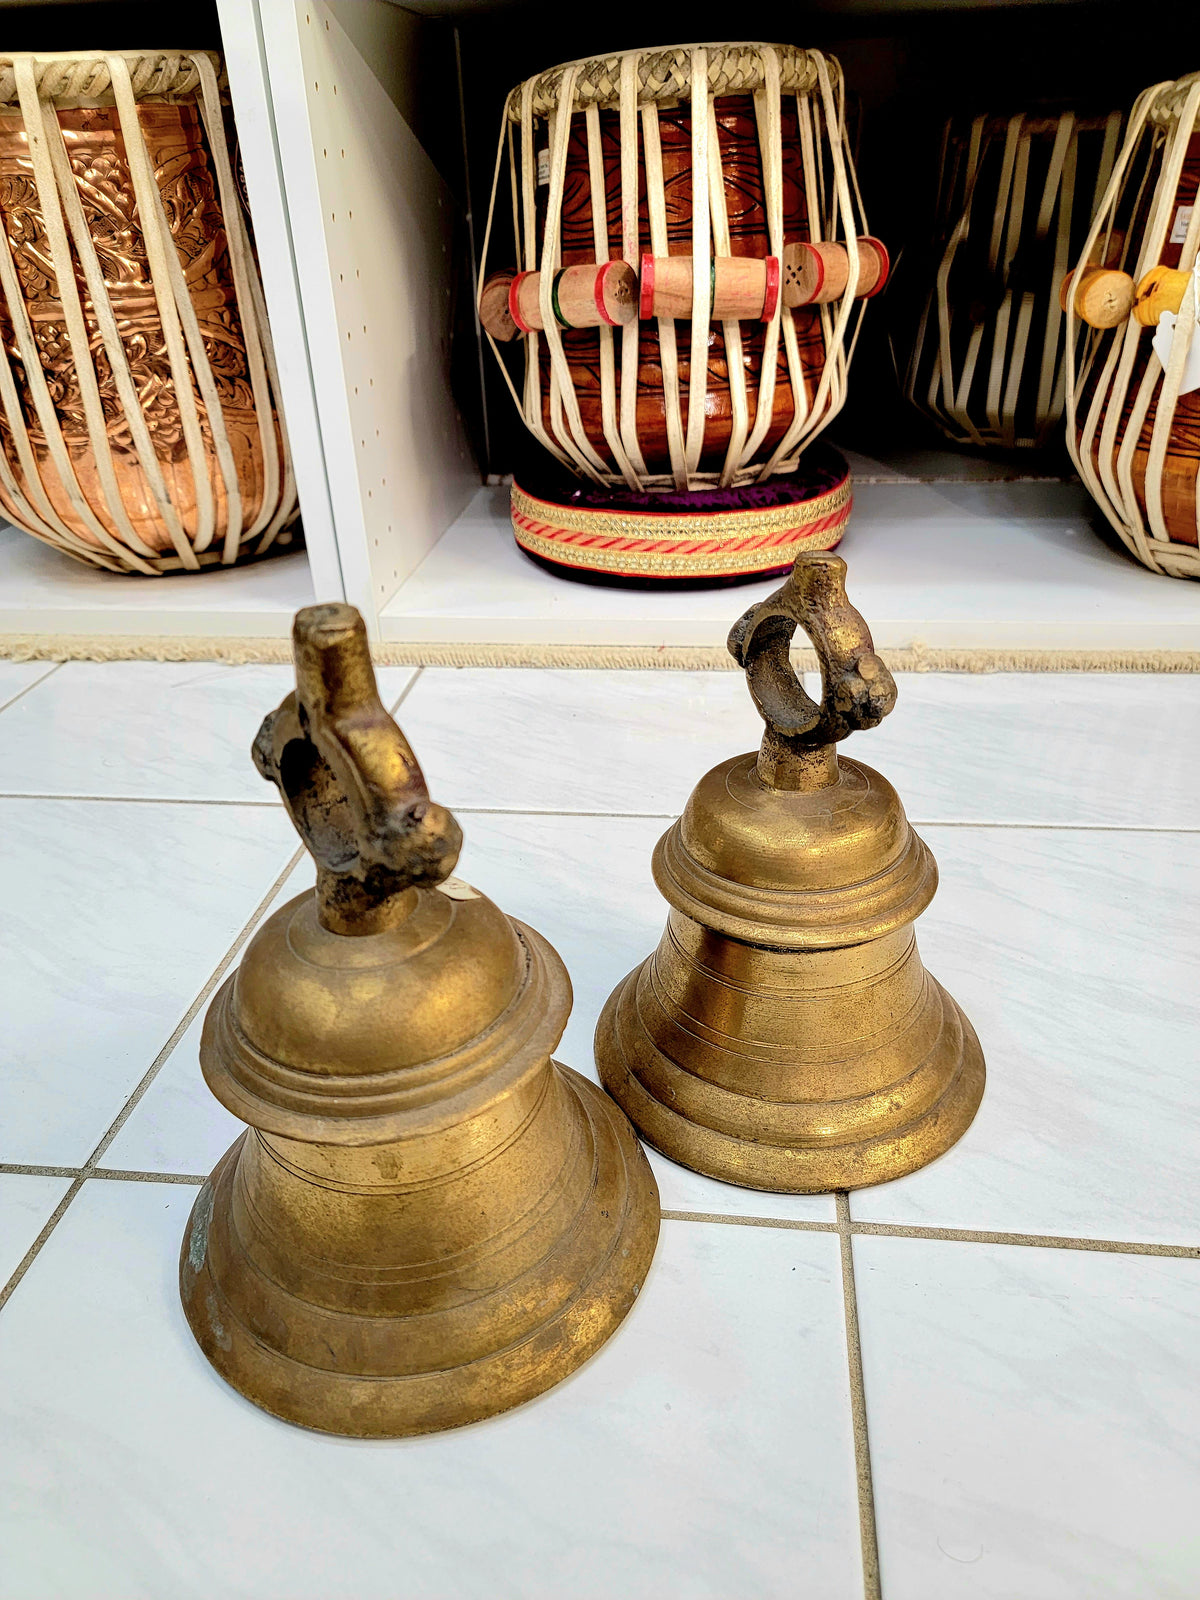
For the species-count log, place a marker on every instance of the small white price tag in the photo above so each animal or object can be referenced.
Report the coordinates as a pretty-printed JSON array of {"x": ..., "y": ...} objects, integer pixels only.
[
  {"x": 543, "y": 167},
  {"x": 1164, "y": 339},
  {"x": 456, "y": 889},
  {"x": 1182, "y": 218}
]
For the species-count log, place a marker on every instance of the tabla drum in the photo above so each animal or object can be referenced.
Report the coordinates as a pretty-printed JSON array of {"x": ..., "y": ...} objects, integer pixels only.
[
  {"x": 139, "y": 421},
  {"x": 1015, "y": 198},
  {"x": 1133, "y": 422},
  {"x": 689, "y": 261}
]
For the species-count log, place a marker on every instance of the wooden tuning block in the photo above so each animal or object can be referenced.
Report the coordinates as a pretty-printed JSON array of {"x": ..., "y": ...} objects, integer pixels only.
[
  {"x": 816, "y": 273},
  {"x": 1102, "y": 296},
  {"x": 494, "y": 314},
  {"x": 741, "y": 288},
  {"x": 1162, "y": 289},
  {"x": 591, "y": 295}
]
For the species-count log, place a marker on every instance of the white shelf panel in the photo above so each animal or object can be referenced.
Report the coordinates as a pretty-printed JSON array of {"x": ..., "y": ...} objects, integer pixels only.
[
  {"x": 371, "y": 232},
  {"x": 44, "y": 592},
  {"x": 962, "y": 565}
]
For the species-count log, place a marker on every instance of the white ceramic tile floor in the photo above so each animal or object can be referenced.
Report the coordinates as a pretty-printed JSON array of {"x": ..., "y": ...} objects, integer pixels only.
[
  {"x": 16, "y": 677},
  {"x": 1076, "y": 954},
  {"x": 580, "y": 740},
  {"x": 706, "y": 1453},
  {"x": 1034, "y": 1418},
  {"x": 1056, "y": 747},
  {"x": 115, "y": 914},
  {"x": 185, "y": 729},
  {"x": 1026, "y": 1408},
  {"x": 27, "y": 1202}
]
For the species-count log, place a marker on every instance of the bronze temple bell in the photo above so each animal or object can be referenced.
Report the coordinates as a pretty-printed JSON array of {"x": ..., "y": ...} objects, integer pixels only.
[
  {"x": 428, "y": 1220},
  {"x": 784, "y": 1035}
]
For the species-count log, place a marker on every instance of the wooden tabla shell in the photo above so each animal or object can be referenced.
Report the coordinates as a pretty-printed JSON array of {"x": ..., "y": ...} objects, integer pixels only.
[
  {"x": 1133, "y": 437},
  {"x": 1015, "y": 196},
  {"x": 688, "y": 404},
  {"x": 139, "y": 420}
]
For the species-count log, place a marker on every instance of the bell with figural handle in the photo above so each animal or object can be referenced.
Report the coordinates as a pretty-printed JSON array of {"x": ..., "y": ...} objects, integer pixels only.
[
  {"x": 784, "y": 1035},
  {"x": 428, "y": 1220}
]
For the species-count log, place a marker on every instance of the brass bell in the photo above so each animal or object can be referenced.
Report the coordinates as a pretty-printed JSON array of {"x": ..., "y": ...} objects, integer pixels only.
[
  {"x": 428, "y": 1220},
  {"x": 784, "y": 1035}
]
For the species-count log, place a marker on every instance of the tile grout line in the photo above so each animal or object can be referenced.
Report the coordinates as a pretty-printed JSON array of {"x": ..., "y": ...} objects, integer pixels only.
[
  {"x": 801, "y": 1226},
  {"x": 23, "y": 1169},
  {"x": 49, "y": 673},
  {"x": 916, "y": 822},
  {"x": 515, "y": 811},
  {"x": 48, "y": 1228},
  {"x": 1053, "y": 827},
  {"x": 189, "y": 1016},
  {"x": 1034, "y": 1241},
  {"x": 146, "y": 799},
  {"x": 13, "y": 1169},
  {"x": 270, "y": 801},
  {"x": 899, "y": 1230},
  {"x": 858, "y": 1406},
  {"x": 161, "y": 800},
  {"x": 88, "y": 1169},
  {"x": 405, "y": 692},
  {"x": 115, "y": 1175},
  {"x": 875, "y": 1230}
]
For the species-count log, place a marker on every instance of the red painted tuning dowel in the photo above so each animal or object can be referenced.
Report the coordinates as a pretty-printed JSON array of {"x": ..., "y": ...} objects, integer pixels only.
[
  {"x": 741, "y": 288},
  {"x": 593, "y": 295},
  {"x": 816, "y": 274}
]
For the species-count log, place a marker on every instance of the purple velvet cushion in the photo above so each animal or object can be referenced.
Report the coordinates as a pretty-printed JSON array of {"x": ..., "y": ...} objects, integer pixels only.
[{"x": 820, "y": 470}]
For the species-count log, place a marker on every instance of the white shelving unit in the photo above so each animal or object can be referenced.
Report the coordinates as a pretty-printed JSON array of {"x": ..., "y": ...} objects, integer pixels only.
[
  {"x": 42, "y": 592},
  {"x": 1004, "y": 566},
  {"x": 354, "y": 226}
]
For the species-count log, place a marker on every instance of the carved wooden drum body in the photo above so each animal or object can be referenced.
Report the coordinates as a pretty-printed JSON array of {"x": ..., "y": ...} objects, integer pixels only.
[
  {"x": 1133, "y": 423},
  {"x": 1015, "y": 196},
  {"x": 689, "y": 246},
  {"x": 139, "y": 428},
  {"x": 746, "y": 226}
]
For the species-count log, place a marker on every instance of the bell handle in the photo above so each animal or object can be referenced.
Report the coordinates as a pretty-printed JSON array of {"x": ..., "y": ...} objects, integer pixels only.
[
  {"x": 857, "y": 690},
  {"x": 350, "y": 781}
]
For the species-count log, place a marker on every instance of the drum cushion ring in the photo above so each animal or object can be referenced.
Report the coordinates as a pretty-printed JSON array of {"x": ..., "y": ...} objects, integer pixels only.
[{"x": 697, "y": 537}]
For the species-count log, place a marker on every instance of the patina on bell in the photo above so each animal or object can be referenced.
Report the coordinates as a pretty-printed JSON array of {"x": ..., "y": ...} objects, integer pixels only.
[
  {"x": 785, "y": 1035},
  {"x": 428, "y": 1220}
]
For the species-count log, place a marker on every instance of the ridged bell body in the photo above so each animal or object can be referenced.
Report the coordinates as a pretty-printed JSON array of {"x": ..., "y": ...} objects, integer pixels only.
[
  {"x": 785, "y": 1035},
  {"x": 429, "y": 1220}
]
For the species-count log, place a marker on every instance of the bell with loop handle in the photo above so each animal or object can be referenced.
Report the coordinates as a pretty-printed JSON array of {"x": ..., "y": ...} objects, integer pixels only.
[
  {"x": 428, "y": 1220},
  {"x": 784, "y": 1035}
]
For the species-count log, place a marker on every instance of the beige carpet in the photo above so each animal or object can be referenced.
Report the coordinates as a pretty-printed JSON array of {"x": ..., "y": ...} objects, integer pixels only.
[{"x": 118, "y": 647}]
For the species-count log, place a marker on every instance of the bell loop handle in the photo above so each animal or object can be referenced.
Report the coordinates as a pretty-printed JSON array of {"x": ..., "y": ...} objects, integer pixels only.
[
  {"x": 350, "y": 781},
  {"x": 857, "y": 690}
]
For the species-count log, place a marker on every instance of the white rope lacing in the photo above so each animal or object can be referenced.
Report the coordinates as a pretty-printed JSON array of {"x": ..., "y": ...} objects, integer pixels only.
[
  {"x": 637, "y": 85},
  {"x": 1115, "y": 372},
  {"x": 47, "y": 498}
]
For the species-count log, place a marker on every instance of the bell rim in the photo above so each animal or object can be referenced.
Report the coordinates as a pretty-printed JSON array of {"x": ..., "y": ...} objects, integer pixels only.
[
  {"x": 576, "y": 1332},
  {"x": 770, "y": 1168}
]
